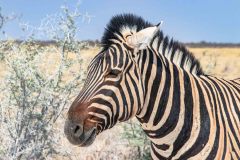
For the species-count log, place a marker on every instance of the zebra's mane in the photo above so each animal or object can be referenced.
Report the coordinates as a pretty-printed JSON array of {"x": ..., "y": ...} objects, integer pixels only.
[{"x": 172, "y": 50}]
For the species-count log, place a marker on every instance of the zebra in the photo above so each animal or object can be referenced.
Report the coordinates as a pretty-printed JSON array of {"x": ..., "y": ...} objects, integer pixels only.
[{"x": 140, "y": 72}]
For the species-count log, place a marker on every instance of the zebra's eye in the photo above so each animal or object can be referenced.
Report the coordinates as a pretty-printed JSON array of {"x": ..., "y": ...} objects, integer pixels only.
[{"x": 113, "y": 73}]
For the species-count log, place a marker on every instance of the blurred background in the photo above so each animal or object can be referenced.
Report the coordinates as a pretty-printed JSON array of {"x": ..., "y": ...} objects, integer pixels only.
[{"x": 45, "y": 48}]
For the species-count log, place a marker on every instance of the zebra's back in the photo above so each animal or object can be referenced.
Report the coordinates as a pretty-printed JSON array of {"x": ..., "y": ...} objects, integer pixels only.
[{"x": 222, "y": 98}]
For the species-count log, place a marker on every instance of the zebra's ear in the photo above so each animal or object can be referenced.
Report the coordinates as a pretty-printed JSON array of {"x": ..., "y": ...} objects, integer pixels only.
[{"x": 141, "y": 39}]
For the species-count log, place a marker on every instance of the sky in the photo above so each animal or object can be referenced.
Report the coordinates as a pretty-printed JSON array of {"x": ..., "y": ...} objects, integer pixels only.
[{"x": 185, "y": 21}]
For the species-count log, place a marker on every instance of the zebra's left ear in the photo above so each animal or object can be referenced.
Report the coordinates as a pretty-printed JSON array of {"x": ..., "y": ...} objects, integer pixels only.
[{"x": 141, "y": 39}]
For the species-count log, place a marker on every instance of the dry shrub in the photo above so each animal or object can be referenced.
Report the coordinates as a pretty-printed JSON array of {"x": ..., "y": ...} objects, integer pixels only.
[{"x": 33, "y": 99}]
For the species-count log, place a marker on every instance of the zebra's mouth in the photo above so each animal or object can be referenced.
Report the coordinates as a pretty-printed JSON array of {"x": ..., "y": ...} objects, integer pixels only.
[
  {"x": 78, "y": 135},
  {"x": 89, "y": 138}
]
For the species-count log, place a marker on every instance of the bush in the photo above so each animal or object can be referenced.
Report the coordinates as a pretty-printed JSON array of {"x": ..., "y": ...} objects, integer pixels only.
[
  {"x": 137, "y": 138},
  {"x": 34, "y": 94}
]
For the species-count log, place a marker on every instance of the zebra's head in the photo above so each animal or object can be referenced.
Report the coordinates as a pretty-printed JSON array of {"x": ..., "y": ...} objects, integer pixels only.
[{"x": 113, "y": 91}]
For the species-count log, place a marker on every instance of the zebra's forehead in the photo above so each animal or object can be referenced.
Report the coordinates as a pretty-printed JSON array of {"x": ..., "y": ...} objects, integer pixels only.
[
  {"x": 120, "y": 26},
  {"x": 101, "y": 59},
  {"x": 103, "y": 55},
  {"x": 126, "y": 30},
  {"x": 97, "y": 59}
]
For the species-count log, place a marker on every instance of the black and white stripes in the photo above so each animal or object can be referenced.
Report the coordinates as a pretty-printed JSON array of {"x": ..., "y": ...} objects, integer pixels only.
[{"x": 185, "y": 113}]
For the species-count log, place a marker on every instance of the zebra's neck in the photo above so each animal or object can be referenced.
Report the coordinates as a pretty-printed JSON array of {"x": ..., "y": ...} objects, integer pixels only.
[
  {"x": 167, "y": 89},
  {"x": 162, "y": 62},
  {"x": 175, "y": 53}
]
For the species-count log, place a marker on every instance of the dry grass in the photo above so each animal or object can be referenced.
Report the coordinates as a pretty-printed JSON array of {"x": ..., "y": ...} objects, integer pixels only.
[{"x": 222, "y": 62}]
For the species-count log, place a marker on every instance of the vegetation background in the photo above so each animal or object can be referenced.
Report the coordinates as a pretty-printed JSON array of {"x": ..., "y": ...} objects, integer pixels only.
[{"x": 39, "y": 80}]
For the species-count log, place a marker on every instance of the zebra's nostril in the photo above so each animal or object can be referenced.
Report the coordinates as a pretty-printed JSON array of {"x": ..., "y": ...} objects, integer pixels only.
[{"x": 77, "y": 131}]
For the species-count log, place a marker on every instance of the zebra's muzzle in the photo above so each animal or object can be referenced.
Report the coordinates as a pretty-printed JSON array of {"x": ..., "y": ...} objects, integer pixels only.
[{"x": 76, "y": 134}]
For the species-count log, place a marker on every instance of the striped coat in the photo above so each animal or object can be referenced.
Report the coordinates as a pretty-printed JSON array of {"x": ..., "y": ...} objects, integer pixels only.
[{"x": 140, "y": 72}]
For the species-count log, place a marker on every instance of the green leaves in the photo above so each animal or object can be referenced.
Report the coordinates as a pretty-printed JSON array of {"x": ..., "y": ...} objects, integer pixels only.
[{"x": 137, "y": 138}]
